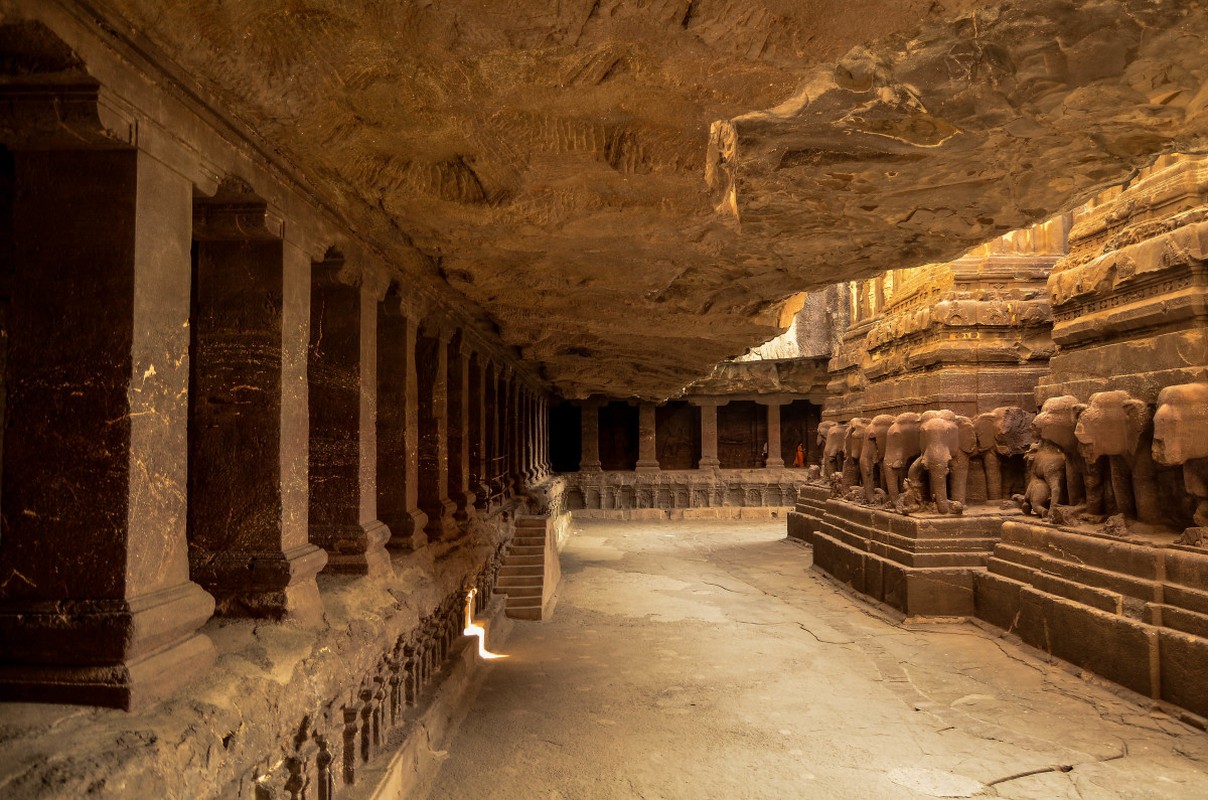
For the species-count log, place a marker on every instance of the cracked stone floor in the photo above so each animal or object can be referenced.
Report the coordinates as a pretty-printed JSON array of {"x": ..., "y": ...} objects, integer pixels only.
[{"x": 706, "y": 660}]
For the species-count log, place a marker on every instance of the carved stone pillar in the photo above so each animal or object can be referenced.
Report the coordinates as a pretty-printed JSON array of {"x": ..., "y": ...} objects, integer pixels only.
[
  {"x": 460, "y": 491},
  {"x": 775, "y": 457},
  {"x": 248, "y": 455},
  {"x": 478, "y": 429},
  {"x": 96, "y": 605},
  {"x": 398, "y": 426},
  {"x": 432, "y": 362},
  {"x": 589, "y": 427},
  {"x": 491, "y": 464},
  {"x": 708, "y": 432},
  {"x": 647, "y": 460},
  {"x": 343, "y": 419},
  {"x": 543, "y": 437}
]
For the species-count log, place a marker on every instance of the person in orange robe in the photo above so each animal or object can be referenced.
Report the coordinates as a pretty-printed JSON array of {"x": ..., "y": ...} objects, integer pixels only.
[{"x": 799, "y": 459}]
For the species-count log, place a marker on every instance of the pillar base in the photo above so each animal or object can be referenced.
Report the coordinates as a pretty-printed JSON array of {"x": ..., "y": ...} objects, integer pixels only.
[
  {"x": 136, "y": 652},
  {"x": 356, "y": 549},
  {"x": 709, "y": 463},
  {"x": 441, "y": 523},
  {"x": 465, "y": 506},
  {"x": 647, "y": 466},
  {"x": 271, "y": 585},
  {"x": 591, "y": 466},
  {"x": 774, "y": 463},
  {"x": 407, "y": 531}
]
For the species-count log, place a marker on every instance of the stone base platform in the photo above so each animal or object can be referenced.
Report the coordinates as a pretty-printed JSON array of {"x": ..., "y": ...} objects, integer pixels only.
[
  {"x": 922, "y": 565},
  {"x": 1131, "y": 611},
  {"x": 808, "y": 513}
]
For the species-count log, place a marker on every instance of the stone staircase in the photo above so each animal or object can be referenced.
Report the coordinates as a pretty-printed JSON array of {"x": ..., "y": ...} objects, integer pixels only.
[{"x": 530, "y": 569}]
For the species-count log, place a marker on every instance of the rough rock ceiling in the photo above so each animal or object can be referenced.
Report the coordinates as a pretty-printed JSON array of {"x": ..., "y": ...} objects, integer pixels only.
[{"x": 555, "y": 163}]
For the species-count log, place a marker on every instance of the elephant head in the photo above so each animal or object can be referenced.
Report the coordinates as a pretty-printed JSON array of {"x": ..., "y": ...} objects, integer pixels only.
[
  {"x": 901, "y": 449},
  {"x": 873, "y": 453},
  {"x": 946, "y": 440},
  {"x": 853, "y": 446},
  {"x": 1006, "y": 431},
  {"x": 1003, "y": 433},
  {"x": 1111, "y": 424},
  {"x": 822, "y": 431},
  {"x": 1180, "y": 426},
  {"x": 832, "y": 455}
]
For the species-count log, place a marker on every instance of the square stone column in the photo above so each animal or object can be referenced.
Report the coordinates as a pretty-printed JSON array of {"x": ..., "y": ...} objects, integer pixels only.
[
  {"x": 708, "y": 431},
  {"x": 398, "y": 426},
  {"x": 589, "y": 426},
  {"x": 647, "y": 460},
  {"x": 775, "y": 457},
  {"x": 491, "y": 464},
  {"x": 478, "y": 430},
  {"x": 96, "y": 605},
  {"x": 460, "y": 491},
  {"x": 343, "y": 418},
  {"x": 248, "y": 448},
  {"x": 432, "y": 364}
]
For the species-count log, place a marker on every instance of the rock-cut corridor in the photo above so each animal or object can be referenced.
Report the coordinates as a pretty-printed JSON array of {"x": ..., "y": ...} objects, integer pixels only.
[{"x": 706, "y": 660}]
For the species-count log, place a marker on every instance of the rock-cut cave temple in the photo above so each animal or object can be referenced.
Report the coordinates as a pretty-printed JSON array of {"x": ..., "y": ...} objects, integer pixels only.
[{"x": 326, "y": 326}]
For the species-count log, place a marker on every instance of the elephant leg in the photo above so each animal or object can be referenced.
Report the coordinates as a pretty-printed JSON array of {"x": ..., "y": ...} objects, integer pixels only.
[
  {"x": 851, "y": 472},
  {"x": 960, "y": 478},
  {"x": 1053, "y": 497},
  {"x": 1074, "y": 470},
  {"x": 866, "y": 478},
  {"x": 993, "y": 467},
  {"x": 1145, "y": 488},
  {"x": 893, "y": 483},
  {"x": 939, "y": 487},
  {"x": 1121, "y": 479},
  {"x": 1096, "y": 508},
  {"x": 915, "y": 475}
]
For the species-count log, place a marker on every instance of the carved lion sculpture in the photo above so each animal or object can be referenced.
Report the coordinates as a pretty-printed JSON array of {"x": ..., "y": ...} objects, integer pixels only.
[
  {"x": 1046, "y": 473},
  {"x": 1180, "y": 436},
  {"x": 1119, "y": 428},
  {"x": 1055, "y": 424}
]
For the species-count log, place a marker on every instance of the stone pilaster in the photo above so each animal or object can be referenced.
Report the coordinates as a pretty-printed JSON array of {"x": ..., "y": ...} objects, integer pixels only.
[
  {"x": 343, "y": 419},
  {"x": 775, "y": 457},
  {"x": 647, "y": 444},
  {"x": 398, "y": 426},
  {"x": 249, "y": 542},
  {"x": 96, "y": 605},
  {"x": 432, "y": 362},
  {"x": 478, "y": 430},
  {"x": 460, "y": 491},
  {"x": 708, "y": 431},
  {"x": 589, "y": 460}
]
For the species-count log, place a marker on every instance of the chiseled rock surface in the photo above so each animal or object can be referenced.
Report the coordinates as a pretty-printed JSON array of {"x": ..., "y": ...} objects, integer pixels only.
[{"x": 553, "y": 162}]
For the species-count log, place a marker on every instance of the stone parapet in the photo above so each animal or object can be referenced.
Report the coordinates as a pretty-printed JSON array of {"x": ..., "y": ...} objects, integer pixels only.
[{"x": 685, "y": 493}]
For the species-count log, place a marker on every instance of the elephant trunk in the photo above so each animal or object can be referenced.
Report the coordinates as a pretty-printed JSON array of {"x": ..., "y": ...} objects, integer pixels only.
[{"x": 939, "y": 487}]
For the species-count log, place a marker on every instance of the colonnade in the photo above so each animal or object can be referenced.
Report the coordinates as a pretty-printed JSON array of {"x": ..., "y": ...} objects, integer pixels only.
[
  {"x": 647, "y": 433},
  {"x": 208, "y": 405}
]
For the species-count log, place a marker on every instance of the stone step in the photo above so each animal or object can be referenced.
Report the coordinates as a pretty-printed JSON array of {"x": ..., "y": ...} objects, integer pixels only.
[
  {"x": 530, "y": 611},
  {"x": 523, "y": 592},
  {"x": 523, "y": 550},
  {"x": 528, "y": 541},
  {"x": 517, "y": 560},
  {"x": 507, "y": 583},
  {"x": 522, "y": 571}
]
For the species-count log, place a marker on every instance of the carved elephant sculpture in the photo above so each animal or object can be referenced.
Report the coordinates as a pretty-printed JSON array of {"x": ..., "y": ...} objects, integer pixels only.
[
  {"x": 1046, "y": 478},
  {"x": 832, "y": 453},
  {"x": 872, "y": 456},
  {"x": 901, "y": 450},
  {"x": 946, "y": 440},
  {"x": 1119, "y": 428},
  {"x": 853, "y": 446},
  {"x": 820, "y": 438},
  {"x": 1055, "y": 424},
  {"x": 1002, "y": 434},
  {"x": 1181, "y": 437}
]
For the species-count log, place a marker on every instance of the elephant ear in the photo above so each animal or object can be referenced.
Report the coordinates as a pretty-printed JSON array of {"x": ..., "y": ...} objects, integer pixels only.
[
  {"x": 967, "y": 436},
  {"x": 985, "y": 428},
  {"x": 1139, "y": 418}
]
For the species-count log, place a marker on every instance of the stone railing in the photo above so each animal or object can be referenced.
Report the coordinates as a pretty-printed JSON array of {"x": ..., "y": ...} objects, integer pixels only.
[{"x": 683, "y": 493}]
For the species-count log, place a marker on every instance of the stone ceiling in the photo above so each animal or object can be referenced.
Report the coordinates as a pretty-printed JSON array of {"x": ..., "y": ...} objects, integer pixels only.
[{"x": 601, "y": 180}]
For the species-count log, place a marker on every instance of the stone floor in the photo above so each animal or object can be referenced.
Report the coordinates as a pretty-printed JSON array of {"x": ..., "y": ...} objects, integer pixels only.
[{"x": 705, "y": 660}]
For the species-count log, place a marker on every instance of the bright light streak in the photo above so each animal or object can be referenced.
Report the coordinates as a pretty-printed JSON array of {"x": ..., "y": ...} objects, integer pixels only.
[{"x": 477, "y": 630}]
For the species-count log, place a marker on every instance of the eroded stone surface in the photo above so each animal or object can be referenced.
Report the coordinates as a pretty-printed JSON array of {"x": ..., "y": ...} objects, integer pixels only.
[{"x": 547, "y": 162}]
